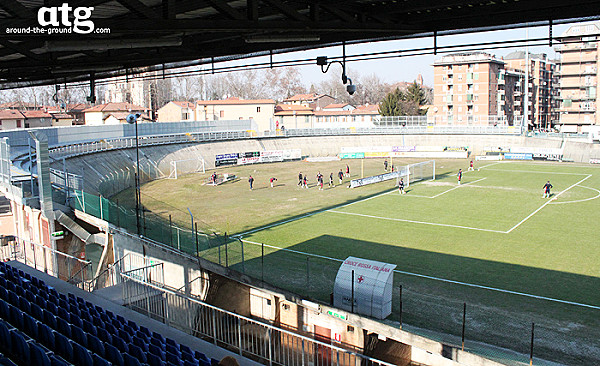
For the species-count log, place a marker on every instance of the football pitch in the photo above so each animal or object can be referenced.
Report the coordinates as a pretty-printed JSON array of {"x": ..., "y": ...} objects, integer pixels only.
[{"x": 492, "y": 242}]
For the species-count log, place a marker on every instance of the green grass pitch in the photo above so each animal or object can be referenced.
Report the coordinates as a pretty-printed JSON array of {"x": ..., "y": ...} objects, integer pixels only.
[{"x": 452, "y": 243}]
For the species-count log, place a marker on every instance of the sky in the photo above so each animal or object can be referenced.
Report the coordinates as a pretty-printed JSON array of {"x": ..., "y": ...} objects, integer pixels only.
[{"x": 407, "y": 68}]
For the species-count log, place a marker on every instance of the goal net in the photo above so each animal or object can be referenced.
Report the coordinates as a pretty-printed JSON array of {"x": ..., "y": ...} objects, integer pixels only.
[
  {"x": 187, "y": 166},
  {"x": 417, "y": 172}
]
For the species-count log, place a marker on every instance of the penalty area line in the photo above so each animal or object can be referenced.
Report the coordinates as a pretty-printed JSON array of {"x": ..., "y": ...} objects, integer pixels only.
[
  {"x": 467, "y": 284},
  {"x": 417, "y": 222},
  {"x": 546, "y": 204}
]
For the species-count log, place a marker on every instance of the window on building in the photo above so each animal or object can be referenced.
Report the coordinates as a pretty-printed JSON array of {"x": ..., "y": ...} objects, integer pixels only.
[
  {"x": 257, "y": 109},
  {"x": 185, "y": 116},
  {"x": 306, "y": 119},
  {"x": 18, "y": 123},
  {"x": 567, "y": 103},
  {"x": 221, "y": 114}
]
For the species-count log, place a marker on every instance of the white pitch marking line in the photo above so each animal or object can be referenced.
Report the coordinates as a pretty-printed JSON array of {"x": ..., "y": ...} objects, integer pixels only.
[
  {"x": 416, "y": 222},
  {"x": 545, "y": 204},
  {"x": 582, "y": 200},
  {"x": 436, "y": 278},
  {"x": 458, "y": 186},
  {"x": 535, "y": 172}
]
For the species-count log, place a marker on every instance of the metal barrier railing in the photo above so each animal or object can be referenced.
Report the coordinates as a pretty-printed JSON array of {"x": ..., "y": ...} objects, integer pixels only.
[
  {"x": 57, "y": 264},
  {"x": 248, "y": 337}
]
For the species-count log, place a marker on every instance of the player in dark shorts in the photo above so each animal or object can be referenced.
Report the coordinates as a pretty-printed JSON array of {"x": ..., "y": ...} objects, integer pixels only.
[
  {"x": 300, "y": 179},
  {"x": 341, "y": 176},
  {"x": 305, "y": 182},
  {"x": 347, "y": 170},
  {"x": 251, "y": 182},
  {"x": 459, "y": 175},
  {"x": 471, "y": 167},
  {"x": 272, "y": 180},
  {"x": 401, "y": 186},
  {"x": 547, "y": 187},
  {"x": 331, "y": 180},
  {"x": 385, "y": 165}
]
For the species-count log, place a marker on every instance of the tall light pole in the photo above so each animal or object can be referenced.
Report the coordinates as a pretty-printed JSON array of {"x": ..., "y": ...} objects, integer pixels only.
[{"x": 132, "y": 119}]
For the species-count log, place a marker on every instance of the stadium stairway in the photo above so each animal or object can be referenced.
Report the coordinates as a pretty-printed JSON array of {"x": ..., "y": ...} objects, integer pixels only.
[{"x": 47, "y": 322}]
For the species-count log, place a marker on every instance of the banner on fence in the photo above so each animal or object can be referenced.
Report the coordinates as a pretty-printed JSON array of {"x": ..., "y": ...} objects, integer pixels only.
[
  {"x": 489, "y": 157},
  {"x": 518, "y": 156},
  {"x": 355, "y": 155},
  {"x": 594, "y": 161}
]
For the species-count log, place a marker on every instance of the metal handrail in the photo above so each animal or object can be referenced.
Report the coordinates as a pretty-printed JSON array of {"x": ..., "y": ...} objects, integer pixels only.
[{"x": 266, "y": 325}]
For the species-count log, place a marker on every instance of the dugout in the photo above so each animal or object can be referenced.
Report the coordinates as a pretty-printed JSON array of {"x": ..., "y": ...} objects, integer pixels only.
[{"x": 366, "y": 283}]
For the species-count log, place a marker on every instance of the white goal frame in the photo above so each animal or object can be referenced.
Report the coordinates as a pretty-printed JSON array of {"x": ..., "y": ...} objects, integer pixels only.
[
  {"x": 199, "y": 167},
  {"x": 407, "y": 172}
]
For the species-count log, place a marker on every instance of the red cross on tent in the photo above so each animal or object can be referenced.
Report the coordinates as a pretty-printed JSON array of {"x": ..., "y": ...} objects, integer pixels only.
[{"x": 360, "y": 279}]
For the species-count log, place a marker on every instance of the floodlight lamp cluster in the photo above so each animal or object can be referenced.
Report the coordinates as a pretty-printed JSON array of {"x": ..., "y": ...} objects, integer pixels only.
[{"x": 322, "y": 61}]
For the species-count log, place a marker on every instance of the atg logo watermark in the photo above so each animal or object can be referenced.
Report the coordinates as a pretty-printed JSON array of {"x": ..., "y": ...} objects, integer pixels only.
[
  {"x": 49, "y": 16},
  {"x": 62, "y": 19}
]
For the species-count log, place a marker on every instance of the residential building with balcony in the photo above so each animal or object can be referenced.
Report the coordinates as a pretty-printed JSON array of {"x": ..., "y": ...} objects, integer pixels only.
[
  {"x": 579, "y": 66},
  {"x": 542, "y": 113},
  {"x": 473, "y": 89}
]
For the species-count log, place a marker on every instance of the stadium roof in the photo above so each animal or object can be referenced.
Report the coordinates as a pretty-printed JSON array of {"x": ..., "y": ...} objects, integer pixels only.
[{"x": 133, "y": 36}]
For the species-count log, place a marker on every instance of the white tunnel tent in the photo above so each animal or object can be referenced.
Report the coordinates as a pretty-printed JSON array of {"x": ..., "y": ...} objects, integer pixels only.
[{"x": 373, "y": 282}]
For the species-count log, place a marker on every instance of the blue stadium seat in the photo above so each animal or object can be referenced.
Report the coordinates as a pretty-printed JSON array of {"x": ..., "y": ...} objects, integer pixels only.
[
  {"x": 4, "y": 310},
  {"x": 37, "y": 312},
  {"x": 75, "y": 320},
  {"x": 126, "y": 336},
  {"x": 137, "y": 352},
  {"x": 78, "y": 335},
  {"x": 110, "y": 328},
  {"x": 63, "y": 346},
  {"x": 113, "y": 355},
  {"x": 120, "y": 344},
  {"x": 184, "y": 348},
  {"x": 5, "y": 337},
  {"x": 99, "y": 361},
  {"x": 62, "y": 303},
  {"x": 154, "y": 360},
  {"x": 30, "y": 326},
  {"x": 121, "y": 320},
  {"x": 24, "y": 305},
  {"x": 131, "y": 361},
  {"x": 46, "y": 335},
  {"x": 116, "y": 324},
  {"x": 20, "y": 348},
  {"x": 133, "y": 325},
  {"x": 81, "y": 356},
  {"x": 174, "y": 359},
  {"x": 51, "y": 307},
  {"x": 146, "y": 331},
  {"x": 204, "y": 360},
  {"x": 173, "y": 350},
  {"x": 13, "y": 298},
  {"x": 5, "y": 361},
  {"x": 153, "y": 349},
  {"x": 16, "y": 317},
  {"x": 139, "y": 342},
  {"x": 193, "y": 362},
  {"x": 104, "y": 335},
  {"x": 99, "y": 321},
  {"x": 172, "y": 343},
  {"x": 63, "y": 313},
  {"x": 10, "y": 286},
  {"x": 3, "y": 292},
  {"x": 89, "y": 327},
  {"x": 110, "y": 314},
  {"x": 58, "y": 361},
  {"x": 38, "y": 355},
  {"x": 40, "y": 301},
  {"x": 49, "y": 319},
  {"x": 189, "y": 357},
  {"x": 63, "y": 327},
  {"x": 95, "y": 345},
  {"x": 30, "y": 296},
  {"x": 158, "y": 343}
]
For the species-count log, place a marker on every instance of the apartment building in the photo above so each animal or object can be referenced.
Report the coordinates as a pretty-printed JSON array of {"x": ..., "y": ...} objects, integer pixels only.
[
  {"x": 541, "y": 111},
  {"x": 579, "y": 77},
  {"x": 474, "y": 89}
]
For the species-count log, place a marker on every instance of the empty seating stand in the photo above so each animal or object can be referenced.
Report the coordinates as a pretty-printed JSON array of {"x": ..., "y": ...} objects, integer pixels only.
[{"x": 39, "y": 326}]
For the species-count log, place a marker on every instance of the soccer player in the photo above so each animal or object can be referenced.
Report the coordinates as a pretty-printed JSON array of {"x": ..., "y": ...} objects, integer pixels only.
[
  {"x": 459, "y": 175},
  {"x": 300, "y": 179},
  {"x": 272, "y": 180},
  {"x": 401, "y": 186},
  {"x": 547, "y": 187},
  {"x": 320, "y": 180},
  {"x": 341, "y": 176},
  {"x": 305, "y": 182},
  {"x": 470, "y": 167},
  {"x": 347, "y": 170},
  {"x": 385, "y": 165},
  {"x": 331, "y": 180},
  {"x": 251, "y": 182}
]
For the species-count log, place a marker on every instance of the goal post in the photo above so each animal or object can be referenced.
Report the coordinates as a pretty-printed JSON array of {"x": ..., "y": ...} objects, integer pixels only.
[
  {"x": 417, "y": 172},
  {"x": 186, "y": 166}
]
